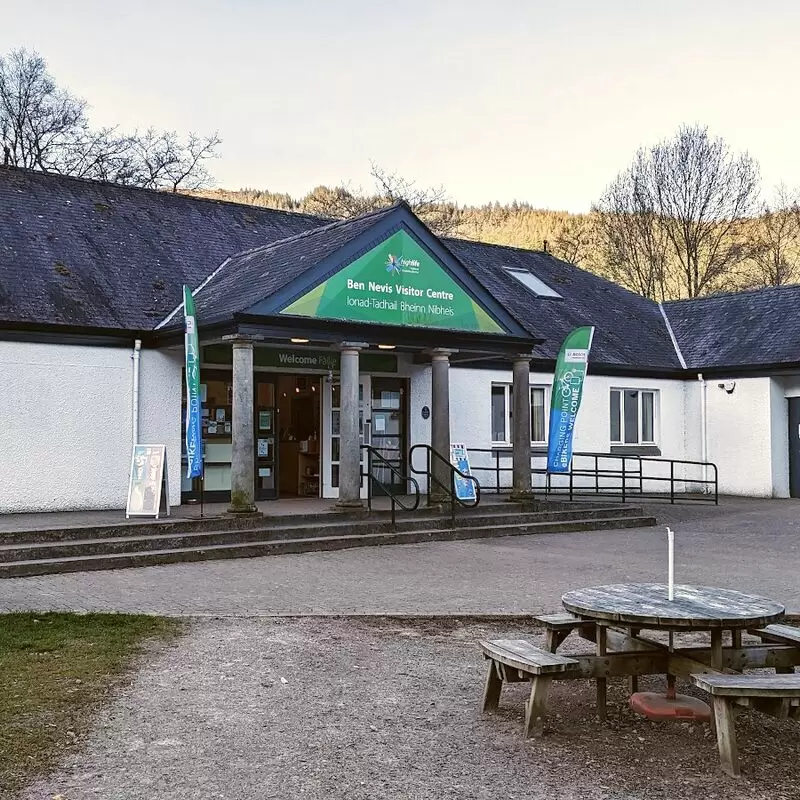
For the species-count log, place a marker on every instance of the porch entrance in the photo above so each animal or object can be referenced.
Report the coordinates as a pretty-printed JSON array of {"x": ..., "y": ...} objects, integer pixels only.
[
  {"x": 382, "y": 423},
  {"x": 296, "y": 422}
]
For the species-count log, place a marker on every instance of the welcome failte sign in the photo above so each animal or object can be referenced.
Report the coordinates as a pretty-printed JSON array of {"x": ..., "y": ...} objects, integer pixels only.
[
  {"x": 568, "y": 380},
  {"x": 395, "y": 283}
]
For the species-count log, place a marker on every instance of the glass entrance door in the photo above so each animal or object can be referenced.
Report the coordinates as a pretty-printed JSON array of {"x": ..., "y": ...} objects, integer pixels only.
[
  {"x": 388, "y": 433},
  {"x": 331, "y": 419},
  {"x": 266, "y": 453}
]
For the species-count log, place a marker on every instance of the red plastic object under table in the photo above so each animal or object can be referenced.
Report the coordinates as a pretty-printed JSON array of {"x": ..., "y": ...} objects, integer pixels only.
[{"x": 657, "y": 706}]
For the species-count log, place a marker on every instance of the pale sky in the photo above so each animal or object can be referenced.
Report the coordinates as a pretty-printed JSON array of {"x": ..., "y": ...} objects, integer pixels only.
[{"x": 508, "y": 99}]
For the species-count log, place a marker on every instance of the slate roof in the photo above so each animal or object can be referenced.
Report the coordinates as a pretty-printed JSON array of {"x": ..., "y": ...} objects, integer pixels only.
[
  {"x": 255, "y": 274},
  {"x": 85, "y": 253},
  {"x": 630, "y": 330},
  {"x": 746, "y": 329},
  {"x": 90, "y": 254}
]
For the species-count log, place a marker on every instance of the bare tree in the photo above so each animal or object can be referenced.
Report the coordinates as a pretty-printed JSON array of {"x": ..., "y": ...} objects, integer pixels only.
[
  {"x": 44, "y": 127},
  {"x": 693, "y": 197},
  {"x": 37, "y": 119},
  {"x": 431, "y": 205},
  {"x": 633, "y": 244},
  {"x": 575, "y": 241},
  {"x": 774, "y": 242},
  {"x": 162, "y": 160},
  {"x": 705, "y": 194}
]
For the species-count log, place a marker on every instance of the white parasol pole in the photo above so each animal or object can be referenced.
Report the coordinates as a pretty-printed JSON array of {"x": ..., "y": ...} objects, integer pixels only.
[{"x": 671, "y": 549}]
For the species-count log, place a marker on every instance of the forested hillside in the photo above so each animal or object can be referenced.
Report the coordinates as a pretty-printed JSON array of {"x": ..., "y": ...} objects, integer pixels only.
[{"x": 767, "y": 244}]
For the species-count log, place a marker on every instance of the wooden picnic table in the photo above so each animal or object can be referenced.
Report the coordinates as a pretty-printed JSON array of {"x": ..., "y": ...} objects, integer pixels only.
[
  {"x": 646, "y": 606},
  {"x": 613, "y": 618},
  {"x": 694, "y": 608}
]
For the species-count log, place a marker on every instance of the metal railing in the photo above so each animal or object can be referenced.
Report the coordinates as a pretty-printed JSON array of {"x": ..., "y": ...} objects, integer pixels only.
[
  {"x": 432, "y": 456},
  {"x": 609, "y": 475},
  {"x": 407, "y": 480}
]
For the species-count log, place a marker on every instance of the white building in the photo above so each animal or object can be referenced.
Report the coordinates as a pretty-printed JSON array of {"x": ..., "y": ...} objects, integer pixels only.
[{"x": 294, "y": 312}]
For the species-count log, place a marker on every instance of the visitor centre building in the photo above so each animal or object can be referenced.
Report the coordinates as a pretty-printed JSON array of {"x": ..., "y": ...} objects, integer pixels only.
[{"x": 318, "y": 336}]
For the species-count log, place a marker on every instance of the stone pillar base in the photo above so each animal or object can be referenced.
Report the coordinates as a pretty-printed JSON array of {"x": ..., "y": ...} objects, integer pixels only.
[
  {"x": 348, "y": 505},
  {"x": 439, "y": 499},
  {"x": 245, "y": 511}
]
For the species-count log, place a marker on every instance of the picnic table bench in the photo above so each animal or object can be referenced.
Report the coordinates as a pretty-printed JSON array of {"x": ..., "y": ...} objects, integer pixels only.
[
  {"x": 514, "y": 660},
  {"x": 768, "y": 693},
  {"x": 613, "y": 617}
]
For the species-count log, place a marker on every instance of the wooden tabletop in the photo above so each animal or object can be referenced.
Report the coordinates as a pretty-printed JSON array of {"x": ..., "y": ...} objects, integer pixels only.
[{"x": 645, "y": 605}]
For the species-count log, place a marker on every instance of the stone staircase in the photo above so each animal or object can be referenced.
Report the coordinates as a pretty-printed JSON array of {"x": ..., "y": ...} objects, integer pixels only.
[{"x": 138, "y": 544}]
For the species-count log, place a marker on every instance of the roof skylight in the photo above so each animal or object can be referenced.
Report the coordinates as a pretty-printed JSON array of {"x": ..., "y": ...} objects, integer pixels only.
[{"x": 530, "y": 281}]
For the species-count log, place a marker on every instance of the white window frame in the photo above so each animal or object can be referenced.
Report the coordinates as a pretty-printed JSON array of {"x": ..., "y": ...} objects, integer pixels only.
[
  {"x": 507, "y": 409},
  {"x": 640, "y": 440}
]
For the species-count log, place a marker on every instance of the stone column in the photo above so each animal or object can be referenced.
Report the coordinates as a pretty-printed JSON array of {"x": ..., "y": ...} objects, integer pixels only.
[
  {"x": 440, "y": 422},
  {"x": 243, "y": 456},
  {"x": 349, "y": 442},
  {"x": 521, "y": 429}
]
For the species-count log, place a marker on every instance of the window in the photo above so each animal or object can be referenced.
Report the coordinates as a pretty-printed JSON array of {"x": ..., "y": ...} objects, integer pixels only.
[
  {"x": 530, "y": 281},
  {"x": 633, "y": 416},
  {"x": 502, "y": 414}
]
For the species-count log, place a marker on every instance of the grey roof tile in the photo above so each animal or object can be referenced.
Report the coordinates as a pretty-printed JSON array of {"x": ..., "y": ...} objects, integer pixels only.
[
  {"x": 746, "y": 329},
  {"x": 85, "y": 253},
  {"x": 629, "y": 328},
  {"x": 246, "y": 278}
]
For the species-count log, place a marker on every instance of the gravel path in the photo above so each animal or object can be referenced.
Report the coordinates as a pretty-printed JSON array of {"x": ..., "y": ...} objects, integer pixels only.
[
  {"x": 361, "y": 709},
  {"x": 750, "y": 545}
]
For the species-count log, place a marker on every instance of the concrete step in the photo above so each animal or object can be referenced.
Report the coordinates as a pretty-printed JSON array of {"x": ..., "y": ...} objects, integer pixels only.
[
  {"x": 378, "y": 521},
  {"x": 171, "y": 539},
  {"x": 170, "y": 555}
]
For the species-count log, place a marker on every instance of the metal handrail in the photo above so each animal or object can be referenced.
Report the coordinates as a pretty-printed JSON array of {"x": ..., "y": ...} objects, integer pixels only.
[
  {"x": 372, "y": 453},
  {"x": 632, "y": 468},
  {"x": 451, "y": 489}
]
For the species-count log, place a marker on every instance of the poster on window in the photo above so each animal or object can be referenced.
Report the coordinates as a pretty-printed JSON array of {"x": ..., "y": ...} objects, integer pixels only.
[
  {"x": 568, "y": 381},
  {"x": 459, "y": 458},
  {"x": 148, "y": 482}
]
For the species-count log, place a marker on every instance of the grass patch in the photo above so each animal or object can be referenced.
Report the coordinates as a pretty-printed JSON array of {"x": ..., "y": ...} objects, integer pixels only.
[{"x": 55, "y": 671}]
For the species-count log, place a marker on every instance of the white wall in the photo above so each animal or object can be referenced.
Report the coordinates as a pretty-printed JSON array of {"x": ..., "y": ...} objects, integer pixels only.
[
  {"x": 160, "y": 388},
  {"x": 65, "y": 442},
  {"x": 66, "y": 437},
  {"x": 740, "y": 438},
  {"x": 470, "y": 420},
  {"x": 419, "y": 428},
  {"x": 779, "y": 420}
]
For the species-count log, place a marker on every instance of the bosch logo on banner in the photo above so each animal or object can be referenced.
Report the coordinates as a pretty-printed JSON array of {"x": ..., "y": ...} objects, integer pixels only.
[{"x": 577, "y": 356}]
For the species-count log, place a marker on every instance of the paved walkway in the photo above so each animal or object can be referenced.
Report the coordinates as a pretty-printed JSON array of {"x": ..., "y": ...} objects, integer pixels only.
[
  {"x": 750, "y": 545},
  {"x": 10, "y": 523}
]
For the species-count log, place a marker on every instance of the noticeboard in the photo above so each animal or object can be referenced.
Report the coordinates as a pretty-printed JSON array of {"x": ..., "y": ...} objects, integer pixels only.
[
  {"x": 459, "y": 458},
  {"x": 148, "y": 481}
]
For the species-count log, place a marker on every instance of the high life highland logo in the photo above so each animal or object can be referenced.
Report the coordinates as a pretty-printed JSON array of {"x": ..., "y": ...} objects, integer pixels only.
[{"x": 394, "y": 265}]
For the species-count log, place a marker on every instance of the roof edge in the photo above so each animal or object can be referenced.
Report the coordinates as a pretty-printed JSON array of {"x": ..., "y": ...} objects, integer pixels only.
[{"x": 671, "y": 333}]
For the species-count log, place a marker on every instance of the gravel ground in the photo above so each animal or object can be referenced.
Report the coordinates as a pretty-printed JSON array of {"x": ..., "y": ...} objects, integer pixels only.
[{"x": 357, "y": 709}]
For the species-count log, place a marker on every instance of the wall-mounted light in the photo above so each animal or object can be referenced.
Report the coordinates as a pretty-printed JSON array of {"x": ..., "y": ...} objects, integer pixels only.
[
  {"x": 297, "y": 340},
  {"x": 728, "y": 386},
  {"x": 386, "y": 347}
]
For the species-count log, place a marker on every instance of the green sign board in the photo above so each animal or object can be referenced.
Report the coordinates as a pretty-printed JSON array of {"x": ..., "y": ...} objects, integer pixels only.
[
  {"x": 297, "y": 359},
  {"x": 395, "y": 283}
]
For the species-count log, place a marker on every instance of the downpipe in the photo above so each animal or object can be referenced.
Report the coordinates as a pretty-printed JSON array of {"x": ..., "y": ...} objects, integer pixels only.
[
  {"x": 703, "y": 429},
  {"x": 135, "y": 356}
]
